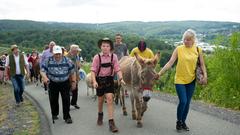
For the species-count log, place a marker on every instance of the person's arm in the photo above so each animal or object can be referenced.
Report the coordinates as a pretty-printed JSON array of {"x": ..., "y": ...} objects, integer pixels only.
[
  {"x": 126, "y": 51},
  {"x": 119, "y": 74},
  {"x": 94, "y": 69},
  {"x": 73, "y": 74},
  {"x": 43, "y": 72},
  {"x": 93, "y": 75},
  {"x": 203, "y": 67},
  {"x": 26, "y": 65},
  {"x": 132, "y": 52},
  {"x": 170, "y": 63},
  {"x": 73, "y": 81},
  {"x": 116, "y": 68},
  {"x": 44, "y": 77}
]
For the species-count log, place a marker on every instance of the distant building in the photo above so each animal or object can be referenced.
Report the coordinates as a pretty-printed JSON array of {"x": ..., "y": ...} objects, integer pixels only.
[{"x": 206, "y": 47}]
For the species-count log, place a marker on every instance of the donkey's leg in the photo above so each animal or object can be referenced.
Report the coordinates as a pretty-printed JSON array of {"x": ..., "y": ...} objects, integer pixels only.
[
  {"x": 139, "y": 110},
  {"x": 122, "y": 99},
  {"x": 87, "y": 91},
  {"x": 133, "y": 107},
  {"x": 144, "y": 107}
]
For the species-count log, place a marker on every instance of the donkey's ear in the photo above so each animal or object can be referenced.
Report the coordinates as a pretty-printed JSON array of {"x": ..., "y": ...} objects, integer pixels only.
[
  {"x": 156, "y": 58},
  {"x": 139, "y": 59}
]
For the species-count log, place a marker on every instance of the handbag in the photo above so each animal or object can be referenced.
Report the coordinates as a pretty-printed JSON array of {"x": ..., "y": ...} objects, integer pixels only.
[{"x": 199, "y": 71}]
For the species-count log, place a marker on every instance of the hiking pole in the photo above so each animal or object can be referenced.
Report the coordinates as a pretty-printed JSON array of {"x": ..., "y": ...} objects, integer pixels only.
[{"x": 49, "y": 94}]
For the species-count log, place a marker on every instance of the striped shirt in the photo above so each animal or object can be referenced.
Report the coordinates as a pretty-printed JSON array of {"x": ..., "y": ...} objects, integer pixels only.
[{"x": 58, "y": 71}]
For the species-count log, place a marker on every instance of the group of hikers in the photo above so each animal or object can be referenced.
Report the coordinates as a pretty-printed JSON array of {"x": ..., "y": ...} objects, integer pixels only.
[{"x": 60, "y": 74}]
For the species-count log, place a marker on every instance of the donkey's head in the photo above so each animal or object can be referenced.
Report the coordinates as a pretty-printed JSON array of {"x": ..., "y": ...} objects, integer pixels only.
[{"x": 147, "y": 71}]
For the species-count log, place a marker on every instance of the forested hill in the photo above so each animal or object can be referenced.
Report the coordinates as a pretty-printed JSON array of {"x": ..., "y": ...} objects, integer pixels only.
[
  {"x": 161, "y": 30},
  {"x": 168, "y": 28},
  {"x": 26, "y": 25},
  {"x": 158, "y": 35}
]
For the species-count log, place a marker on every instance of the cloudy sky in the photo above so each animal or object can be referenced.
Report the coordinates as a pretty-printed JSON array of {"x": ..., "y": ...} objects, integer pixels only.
[{"x": 101, "y": 11}]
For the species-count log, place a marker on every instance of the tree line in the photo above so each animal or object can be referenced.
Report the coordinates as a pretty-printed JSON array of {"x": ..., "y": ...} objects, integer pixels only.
[{"x": 87, "y": 40}]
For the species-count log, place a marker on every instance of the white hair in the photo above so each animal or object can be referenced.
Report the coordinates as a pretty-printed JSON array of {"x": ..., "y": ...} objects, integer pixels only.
[
  {"x": 74, "y": 47},
  {"x": 190, "y": 34},
  {"x": 52, "y": 43}
]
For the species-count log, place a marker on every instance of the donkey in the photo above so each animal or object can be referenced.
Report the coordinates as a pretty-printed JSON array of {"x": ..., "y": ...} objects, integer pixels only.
[{"x": 139, "y": 75}]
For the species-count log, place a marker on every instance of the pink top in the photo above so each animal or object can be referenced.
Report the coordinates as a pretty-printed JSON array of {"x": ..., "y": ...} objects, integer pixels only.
[{"x": 105, "y": 71}]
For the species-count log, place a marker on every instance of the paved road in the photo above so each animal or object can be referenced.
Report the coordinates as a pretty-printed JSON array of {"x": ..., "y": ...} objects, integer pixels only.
[{"x": 159, "y": 119}]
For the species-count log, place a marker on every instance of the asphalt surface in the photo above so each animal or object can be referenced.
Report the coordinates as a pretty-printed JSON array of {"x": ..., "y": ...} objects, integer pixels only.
[{"x": 159, "y": 119}]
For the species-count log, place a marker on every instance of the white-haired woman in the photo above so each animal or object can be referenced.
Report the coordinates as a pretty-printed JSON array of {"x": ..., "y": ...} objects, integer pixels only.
[{"x": 187, "y": 55}]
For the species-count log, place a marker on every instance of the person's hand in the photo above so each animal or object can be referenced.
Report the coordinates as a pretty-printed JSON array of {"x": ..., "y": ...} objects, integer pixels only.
[
  {"x": 157, "y": 76},
  {"x": 95, "y": 84},
  {"x": 122, "y": 82},
  {"x": 73, "y": 86},
  {"x": 204, "y": 80},
  {"x": 27, "y": 76},
  {"x": 45, "y": 80}
]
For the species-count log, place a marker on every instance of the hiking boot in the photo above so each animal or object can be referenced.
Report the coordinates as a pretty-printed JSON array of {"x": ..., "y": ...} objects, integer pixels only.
[
  {"x": 76, "y": 106},
  {"x": 112, "y": 126},
  {"x": 55, "y": 117},
  {"x": 185, "y": 127},
  {"x": 68, "y": 121},
  {"x": 100, "y": 119},
  {"x": 21, "y": 99},
  {"x": 179, "y": 125}
]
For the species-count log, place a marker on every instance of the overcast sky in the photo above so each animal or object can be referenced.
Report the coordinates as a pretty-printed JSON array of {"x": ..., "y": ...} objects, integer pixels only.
[{"x": 101, "y": 11}]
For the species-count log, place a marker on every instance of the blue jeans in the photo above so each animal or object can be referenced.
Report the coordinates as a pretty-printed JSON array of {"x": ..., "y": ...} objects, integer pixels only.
[
  {"x": 184, "y": 92},
  {"x": 18, "y": 86}
]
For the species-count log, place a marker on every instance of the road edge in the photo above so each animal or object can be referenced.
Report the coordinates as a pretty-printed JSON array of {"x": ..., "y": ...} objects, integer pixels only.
[{"x": 44, "y": 121}]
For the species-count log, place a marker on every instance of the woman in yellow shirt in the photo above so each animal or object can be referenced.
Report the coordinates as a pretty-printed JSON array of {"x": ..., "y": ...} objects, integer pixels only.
[
  {"x": 142, "y": 50},
  {"x": 187, "y": 56}
]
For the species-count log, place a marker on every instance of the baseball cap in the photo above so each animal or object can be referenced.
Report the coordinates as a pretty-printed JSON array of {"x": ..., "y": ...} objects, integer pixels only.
[{"x": 57, "y": 49}]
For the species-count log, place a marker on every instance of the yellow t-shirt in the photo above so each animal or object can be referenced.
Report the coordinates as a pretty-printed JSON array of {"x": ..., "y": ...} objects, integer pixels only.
[
  {"x": 186, "y": 65},
  {"x": 147, "y": 54}
]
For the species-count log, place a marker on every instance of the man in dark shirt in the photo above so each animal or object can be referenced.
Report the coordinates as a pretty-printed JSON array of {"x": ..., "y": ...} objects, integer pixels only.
[{"x": 120, "y": 49}]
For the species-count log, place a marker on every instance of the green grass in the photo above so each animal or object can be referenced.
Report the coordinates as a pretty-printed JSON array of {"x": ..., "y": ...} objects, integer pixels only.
[{"x": 26, "y": 116}]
